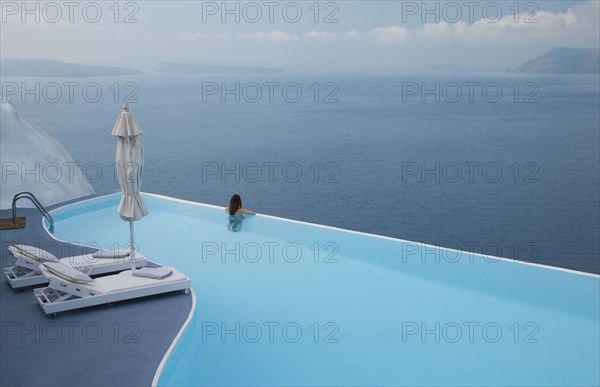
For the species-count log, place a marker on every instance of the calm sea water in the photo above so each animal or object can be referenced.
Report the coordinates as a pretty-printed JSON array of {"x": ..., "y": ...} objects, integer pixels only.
[{"x": 515, "y": 175}]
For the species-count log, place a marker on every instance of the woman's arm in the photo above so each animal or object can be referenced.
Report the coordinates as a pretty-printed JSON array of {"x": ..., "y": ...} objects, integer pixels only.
[{"x": 247, "y": 212}]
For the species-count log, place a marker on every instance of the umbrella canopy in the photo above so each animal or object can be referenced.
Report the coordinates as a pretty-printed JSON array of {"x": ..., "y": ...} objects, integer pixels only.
[{"x": 129, "y": 164}]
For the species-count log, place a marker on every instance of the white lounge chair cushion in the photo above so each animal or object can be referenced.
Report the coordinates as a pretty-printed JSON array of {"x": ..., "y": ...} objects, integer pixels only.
[
  {"x": 122, "y": 282},
  {"x": 153, "y": 272},
  {"x": 32, "y": 252},
  {"x": 111, "y": 253},
  {"x": 67, "y": 273},
  {"x": 82, "y": 262}
]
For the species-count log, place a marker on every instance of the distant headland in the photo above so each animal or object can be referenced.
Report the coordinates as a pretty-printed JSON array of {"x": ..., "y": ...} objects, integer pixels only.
[
  {"x": 563, "y": 60},
  {"x": 53, "y": 68}
]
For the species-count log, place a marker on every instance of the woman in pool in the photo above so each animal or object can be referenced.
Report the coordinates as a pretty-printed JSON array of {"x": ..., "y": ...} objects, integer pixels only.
[{"x": 236, "y": 212}]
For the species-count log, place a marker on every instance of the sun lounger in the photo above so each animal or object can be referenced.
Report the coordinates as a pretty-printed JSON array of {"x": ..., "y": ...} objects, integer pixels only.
[
  {"x": 26, "y": 271},
  {"x": 67, "y": 292}
]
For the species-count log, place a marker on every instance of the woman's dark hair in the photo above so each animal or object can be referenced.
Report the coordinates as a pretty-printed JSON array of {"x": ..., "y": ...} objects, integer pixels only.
[{"x": 235, "y": 203}]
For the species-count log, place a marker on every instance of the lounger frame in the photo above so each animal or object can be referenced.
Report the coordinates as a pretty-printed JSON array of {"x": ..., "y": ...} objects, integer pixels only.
[{"x": 60, "y": 296}]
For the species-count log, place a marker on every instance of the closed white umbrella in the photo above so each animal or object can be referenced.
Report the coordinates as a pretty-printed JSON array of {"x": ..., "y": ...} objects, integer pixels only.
[{"x": 129, "y": 164}]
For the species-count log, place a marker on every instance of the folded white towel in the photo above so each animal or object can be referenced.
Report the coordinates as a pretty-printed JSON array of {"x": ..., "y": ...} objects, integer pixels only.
[
  {"x": 153, "y": 272},
  {"x": 111, "y": 253}
]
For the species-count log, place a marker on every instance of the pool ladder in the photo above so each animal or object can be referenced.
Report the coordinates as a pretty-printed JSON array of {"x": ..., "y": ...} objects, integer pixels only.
[{"x": 36, "y": 202}]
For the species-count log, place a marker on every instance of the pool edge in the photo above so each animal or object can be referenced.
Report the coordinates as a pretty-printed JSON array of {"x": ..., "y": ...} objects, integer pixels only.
[
  {"x": 176, "y": 341},
  {"x": 485, "y": 256}
]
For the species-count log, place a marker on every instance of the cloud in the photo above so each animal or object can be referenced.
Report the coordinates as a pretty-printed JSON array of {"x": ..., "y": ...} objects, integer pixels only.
[
  {"x": 541, "y": 24},
  {"x": 320, "y": 35},
  {"x": 392, "y": 34},
  {"x": 205, "y": 36},
  {"x": 352, "y": 34},
  {"x": 273, "y": 36},
  {"x": 574, "y": 24}
]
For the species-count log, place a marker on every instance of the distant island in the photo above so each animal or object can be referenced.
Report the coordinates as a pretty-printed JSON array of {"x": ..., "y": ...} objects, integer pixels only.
[
  {"x": 562, "y": 60},
  {"x": 53, "y": 68},
  {"x": 192, "y": 68}
]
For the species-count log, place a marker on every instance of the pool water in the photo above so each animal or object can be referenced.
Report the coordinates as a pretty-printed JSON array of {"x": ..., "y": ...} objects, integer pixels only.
[{"x": 289, "y": 303}]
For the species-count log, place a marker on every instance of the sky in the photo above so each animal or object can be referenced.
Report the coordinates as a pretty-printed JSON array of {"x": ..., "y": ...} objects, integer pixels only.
[{"x": 302, "y": 36}]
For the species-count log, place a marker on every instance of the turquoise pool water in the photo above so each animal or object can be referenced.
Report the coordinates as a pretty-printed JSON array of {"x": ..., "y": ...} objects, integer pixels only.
[{"x": 287, "y": 303}]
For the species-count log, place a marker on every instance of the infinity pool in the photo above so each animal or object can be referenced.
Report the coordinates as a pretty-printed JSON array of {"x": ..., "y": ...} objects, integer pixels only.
[{"x": 289, "y": 303}]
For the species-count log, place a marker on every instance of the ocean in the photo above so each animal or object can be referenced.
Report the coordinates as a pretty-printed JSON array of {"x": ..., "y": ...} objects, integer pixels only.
[{"x": 503, "y": 164}]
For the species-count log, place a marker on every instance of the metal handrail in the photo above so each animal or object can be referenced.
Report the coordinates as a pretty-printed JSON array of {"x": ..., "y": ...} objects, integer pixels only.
[{"x": 33, "y": 199}]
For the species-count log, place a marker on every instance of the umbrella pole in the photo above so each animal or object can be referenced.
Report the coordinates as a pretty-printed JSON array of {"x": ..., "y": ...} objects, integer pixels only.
[{"x": 132, "y": 245}]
